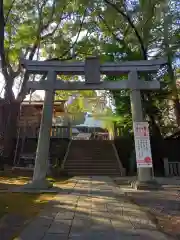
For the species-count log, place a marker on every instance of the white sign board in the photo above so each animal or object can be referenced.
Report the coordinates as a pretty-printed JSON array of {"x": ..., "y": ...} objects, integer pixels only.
[
  {"x": 142, "y": 144},
  {"x": 82, "y": 136}
]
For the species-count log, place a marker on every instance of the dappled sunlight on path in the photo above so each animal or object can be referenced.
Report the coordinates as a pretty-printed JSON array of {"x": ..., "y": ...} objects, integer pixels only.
[{"x": 94, "y": 208}]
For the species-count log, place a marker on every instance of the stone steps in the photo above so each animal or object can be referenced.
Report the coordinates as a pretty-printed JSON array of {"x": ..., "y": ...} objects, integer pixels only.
[{"x": 92, "y": 157}]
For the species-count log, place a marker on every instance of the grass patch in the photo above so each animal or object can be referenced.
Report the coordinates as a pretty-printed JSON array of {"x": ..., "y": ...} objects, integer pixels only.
[
  {"x": 23, "y": 204},
  {"x": 9, "y": 179},
  {"x": 7, "y": 182},
  {"x": 22, "y": 207}
]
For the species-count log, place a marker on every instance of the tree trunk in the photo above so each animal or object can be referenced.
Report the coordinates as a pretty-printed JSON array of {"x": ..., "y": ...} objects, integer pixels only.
[
  {"x": 155, "y": 128},
  {"x": 177, "y": 110},
  {"x": 148, "y": 107},
  {"x": 9, "y": 120}
]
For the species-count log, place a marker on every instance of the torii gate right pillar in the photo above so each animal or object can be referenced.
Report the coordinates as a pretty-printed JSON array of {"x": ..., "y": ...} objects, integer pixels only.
[{"x": 145, "y": 175}]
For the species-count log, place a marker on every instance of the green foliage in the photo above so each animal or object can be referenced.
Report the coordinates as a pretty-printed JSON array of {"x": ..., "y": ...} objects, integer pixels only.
[
  {"x": 147, "y": 30},
  {"x": 115, "y": 30},
  {"x": 78, "y": 104},
  {"x": 40, "y": 29}
]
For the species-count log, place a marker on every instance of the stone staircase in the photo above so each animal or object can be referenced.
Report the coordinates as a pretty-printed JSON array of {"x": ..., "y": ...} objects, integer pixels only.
[{"x": 93, "y": 157}]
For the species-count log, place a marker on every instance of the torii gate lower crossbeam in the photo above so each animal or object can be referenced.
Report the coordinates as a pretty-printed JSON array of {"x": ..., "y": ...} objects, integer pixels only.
[{"x": 92, "y": 70}]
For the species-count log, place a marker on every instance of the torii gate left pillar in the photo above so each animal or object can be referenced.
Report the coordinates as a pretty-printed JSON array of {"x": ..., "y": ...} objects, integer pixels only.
[{"x": 42, "y": 153}]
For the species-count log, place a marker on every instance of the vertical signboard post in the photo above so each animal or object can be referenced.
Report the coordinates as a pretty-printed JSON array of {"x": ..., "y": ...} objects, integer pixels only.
[{"x": 142, "y": 145}]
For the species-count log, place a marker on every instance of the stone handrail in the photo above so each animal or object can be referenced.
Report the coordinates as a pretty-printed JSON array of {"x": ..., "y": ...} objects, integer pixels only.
[
  {"x": 66, "y": 155},
  {"x": 123, "y": 171}
]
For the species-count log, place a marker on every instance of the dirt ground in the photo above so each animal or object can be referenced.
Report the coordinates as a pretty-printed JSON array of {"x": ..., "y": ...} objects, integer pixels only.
[{"x": 163, "y": 205}]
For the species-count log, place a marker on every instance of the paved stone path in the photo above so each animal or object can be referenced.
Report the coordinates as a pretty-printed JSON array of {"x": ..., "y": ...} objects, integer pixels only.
[{"x": 95, "y": 209}]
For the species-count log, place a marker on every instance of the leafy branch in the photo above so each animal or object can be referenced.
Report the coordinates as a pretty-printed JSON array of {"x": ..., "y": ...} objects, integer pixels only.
[
  {"x": 128, "y": 19},
  {"x": 23, "y": 92}
]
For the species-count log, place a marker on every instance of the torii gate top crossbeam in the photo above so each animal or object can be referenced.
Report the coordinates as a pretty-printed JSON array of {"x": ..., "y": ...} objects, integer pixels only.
[
  {"x": 92, "y": 69},
  {"x": 79, "y": 68}
]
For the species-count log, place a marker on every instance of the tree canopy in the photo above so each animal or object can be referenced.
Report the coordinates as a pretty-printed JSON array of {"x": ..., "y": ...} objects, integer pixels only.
[{"x": 121, "y": 30}]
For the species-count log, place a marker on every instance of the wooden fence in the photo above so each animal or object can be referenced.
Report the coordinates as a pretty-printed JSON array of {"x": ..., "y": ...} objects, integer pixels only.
[
  {"x": 60, "y": 132},
  {"x": 56, "y": 132},
  {"x": 171, "y": 168}
]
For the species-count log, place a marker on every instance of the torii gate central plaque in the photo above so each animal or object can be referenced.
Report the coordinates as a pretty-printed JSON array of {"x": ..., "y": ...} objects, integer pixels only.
[{"x": 92, "y": 70}]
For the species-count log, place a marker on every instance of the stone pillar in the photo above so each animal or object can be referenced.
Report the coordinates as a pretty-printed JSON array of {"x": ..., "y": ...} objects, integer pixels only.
[
  {"x": 42, "y": 154},
  {"x": 144, "y": 174}
]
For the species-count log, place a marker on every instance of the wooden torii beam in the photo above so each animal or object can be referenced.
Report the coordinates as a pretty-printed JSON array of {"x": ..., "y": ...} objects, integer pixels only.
[{"x": 92, "y": 69}]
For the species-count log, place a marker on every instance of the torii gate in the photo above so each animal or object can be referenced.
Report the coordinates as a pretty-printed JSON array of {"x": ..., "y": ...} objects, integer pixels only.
[{"x": 92, "y": 69}]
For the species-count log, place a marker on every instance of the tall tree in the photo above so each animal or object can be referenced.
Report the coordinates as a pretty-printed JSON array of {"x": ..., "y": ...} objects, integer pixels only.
[
  {"x": 33, "y": 30},
  {"x": 137, "y": 38}
]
